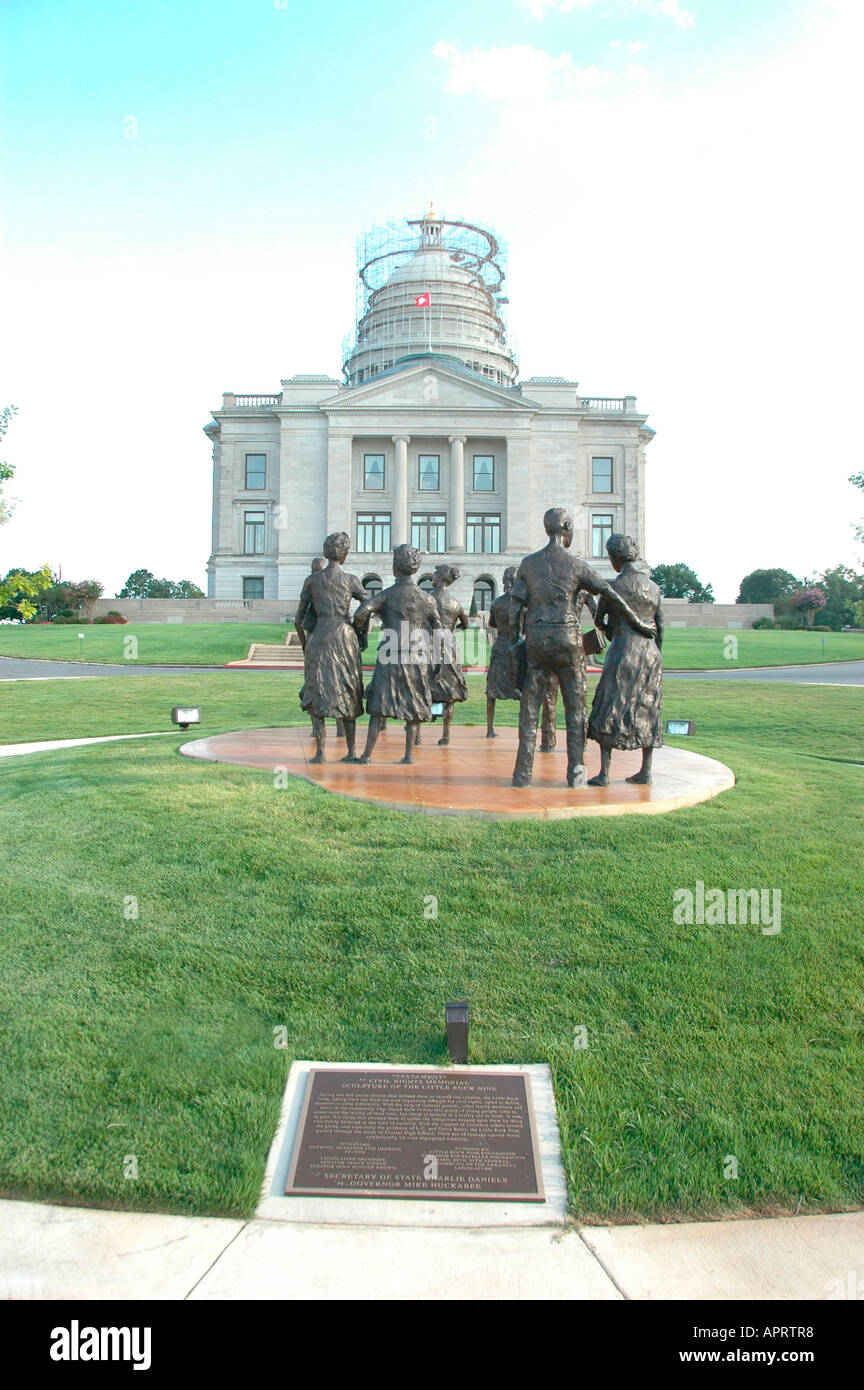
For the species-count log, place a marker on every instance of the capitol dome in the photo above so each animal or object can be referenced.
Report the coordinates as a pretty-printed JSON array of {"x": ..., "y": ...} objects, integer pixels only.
[{"x": 459, "y": 267}]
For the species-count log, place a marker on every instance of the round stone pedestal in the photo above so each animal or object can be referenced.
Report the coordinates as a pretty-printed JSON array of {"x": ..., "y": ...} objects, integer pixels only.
[{"x": 471, "y": 777}]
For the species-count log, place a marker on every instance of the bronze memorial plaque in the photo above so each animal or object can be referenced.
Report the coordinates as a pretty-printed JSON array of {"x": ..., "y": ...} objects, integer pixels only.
[{"x": 417, "y": 1134}]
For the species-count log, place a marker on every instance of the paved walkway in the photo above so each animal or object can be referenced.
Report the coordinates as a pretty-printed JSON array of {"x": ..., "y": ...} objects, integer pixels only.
[
  {"x": 13, "y": 668},
  {"x": 14, "y": 750},
  {"x": 50, "y": 1252},
  {"x": 821, "y": 673}
]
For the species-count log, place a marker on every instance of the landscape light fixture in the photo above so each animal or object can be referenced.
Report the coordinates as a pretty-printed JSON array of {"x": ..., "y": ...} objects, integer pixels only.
[
  {"x": 679, "y": 728},
  {"x": 456, "y": 1021},
  {"x": 184, "y": 715}
]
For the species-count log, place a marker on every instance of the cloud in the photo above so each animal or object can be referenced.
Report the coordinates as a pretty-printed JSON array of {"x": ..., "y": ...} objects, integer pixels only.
[
  {"x": 671, "y": 9},
  {"x": 516, "y": 72},
  {"x": 538, "y": 8},
  {"x": 708, "y": 231}
]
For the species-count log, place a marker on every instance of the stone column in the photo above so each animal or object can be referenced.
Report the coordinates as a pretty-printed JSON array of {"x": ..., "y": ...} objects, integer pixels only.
[
  {"x": 456, "y": 539},
  {"x": 399, "y": 528}
]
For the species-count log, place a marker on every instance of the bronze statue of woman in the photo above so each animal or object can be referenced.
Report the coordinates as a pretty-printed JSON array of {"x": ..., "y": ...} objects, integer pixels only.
[
  {"x": 303, "y": 629},
  {"x": 399, "y": 688},
  {"x": 626, "y": 709},
  {"x": 333, "y": 685},
  {"x": 448, "y": 685},
  {"x": 499, "y": 683}
]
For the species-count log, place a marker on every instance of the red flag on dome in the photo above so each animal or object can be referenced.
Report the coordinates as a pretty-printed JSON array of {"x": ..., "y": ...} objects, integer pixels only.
[{"x": 423, "y": 301}]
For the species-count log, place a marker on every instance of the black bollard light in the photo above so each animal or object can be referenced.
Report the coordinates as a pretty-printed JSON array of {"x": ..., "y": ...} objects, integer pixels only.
[{"x": 456, "y": 1021}]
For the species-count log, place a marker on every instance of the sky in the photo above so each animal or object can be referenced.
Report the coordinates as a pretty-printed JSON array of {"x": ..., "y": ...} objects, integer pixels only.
[{"x": 677, "y": 182}]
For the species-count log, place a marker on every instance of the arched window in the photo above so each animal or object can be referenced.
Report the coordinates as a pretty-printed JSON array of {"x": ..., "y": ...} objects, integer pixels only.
[
  {"x": 372, "y": 584},
  {"x": 484, "y": 593},
  {"x": 425, "y": 583}
]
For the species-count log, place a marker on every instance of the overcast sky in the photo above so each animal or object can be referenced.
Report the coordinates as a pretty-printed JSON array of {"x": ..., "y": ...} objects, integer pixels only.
[{"x": 679, "y": 186}]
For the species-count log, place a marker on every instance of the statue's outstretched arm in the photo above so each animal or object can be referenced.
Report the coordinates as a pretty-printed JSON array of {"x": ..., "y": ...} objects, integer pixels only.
[{"x": 595, "y": 585}]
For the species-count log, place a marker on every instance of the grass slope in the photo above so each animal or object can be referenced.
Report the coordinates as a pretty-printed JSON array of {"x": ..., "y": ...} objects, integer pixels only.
[{"x": 260, "y": 908}]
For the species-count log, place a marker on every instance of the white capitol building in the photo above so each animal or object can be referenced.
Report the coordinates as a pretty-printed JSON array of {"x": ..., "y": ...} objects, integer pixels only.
[{"x": 431, "y": 438}]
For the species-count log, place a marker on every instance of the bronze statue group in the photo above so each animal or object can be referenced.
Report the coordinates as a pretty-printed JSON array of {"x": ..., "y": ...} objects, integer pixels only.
[{"x": 539, "y": 648}]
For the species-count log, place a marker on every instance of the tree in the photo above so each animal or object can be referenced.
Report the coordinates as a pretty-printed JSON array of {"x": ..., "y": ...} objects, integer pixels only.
[
  {"x": 144, "y": 584},
  {"x": 160, "y": 588},
  {"x": 679, "y": 581},
  {"x": 20, "y": 587},
  {"x": 767, "y": 586},
  {"x": 137, "y": 585},
  {"x": 6, "y": 469},
  {"x": 808, "y": 601},
  {"x": 857, "y": 480},
  {"x": 86, "y": 593},
  {"x": 54, "y": 599},
  {"x": 844, "y": 591}
]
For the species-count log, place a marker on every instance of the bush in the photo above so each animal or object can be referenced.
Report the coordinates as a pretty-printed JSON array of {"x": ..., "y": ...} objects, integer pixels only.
[
  {"x": 68, "y": 618},
  {"x": 790, "y": 624},
  {"x": 821, "y": 627},
  {"x": 111, "y": 618},
  {"x": 765, "y": 623}
]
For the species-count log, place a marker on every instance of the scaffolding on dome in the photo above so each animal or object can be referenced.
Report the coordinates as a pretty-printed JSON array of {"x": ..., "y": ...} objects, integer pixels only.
[{"x": 387, "y": 246}]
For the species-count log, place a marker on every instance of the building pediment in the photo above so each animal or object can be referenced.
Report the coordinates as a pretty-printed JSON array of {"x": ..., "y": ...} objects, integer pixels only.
[{"x": 428, "y": 386}]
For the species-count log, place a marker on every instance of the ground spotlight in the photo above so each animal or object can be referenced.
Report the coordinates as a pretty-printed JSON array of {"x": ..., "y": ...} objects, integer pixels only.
[{"x": 184, "y": 715}]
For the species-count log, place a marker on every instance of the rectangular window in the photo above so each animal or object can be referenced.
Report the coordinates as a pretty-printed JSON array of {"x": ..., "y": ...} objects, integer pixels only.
[
  {"x": 601, "y": 475},
  {"x": 373, "y": 472},
  {"x": 483, "y": 534},
  {"x": 253, "y": 586},
  {"x": 256, "y": 471},
  {"x": 601, "y": 530},
  {"x": 484, "y": 473},
  {"x": 373, "y": 531},
  {"x": 428, "y": 532},
  {"x": 253, "y": 529},
  {"x": 428, "y": 473}
]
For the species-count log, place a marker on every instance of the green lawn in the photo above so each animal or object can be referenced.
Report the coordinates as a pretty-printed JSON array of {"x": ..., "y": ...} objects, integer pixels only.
[
  {"x": 159, "y": 644},
  {"x": 153, "y": 1036},
  {"x": 191, "y": 644}
]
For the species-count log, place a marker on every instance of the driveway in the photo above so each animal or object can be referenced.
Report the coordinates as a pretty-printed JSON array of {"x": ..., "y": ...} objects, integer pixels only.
[
  {"x": 821, "y": 673},
  {"x": 827, "y": 673}
]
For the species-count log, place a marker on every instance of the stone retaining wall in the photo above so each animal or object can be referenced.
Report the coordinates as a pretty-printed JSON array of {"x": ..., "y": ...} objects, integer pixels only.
[{"x": 678, "y": 612}]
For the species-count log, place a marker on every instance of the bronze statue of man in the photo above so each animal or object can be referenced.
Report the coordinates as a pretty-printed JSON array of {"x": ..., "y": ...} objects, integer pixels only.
[
  {"x": 591, "y": 644},
  {"x": 543, "y": 605}
]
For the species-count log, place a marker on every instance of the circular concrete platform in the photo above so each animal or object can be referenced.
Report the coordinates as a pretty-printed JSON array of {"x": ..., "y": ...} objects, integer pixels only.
[{"x": 472, "y": 776}]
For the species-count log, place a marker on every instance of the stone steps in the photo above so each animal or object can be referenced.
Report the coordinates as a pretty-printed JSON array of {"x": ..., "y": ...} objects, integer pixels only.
[
  {"x": 264, "y": 651},
  {"x": 274, "y": 653}
]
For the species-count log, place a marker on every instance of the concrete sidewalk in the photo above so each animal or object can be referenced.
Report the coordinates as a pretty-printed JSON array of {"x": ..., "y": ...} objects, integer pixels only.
[{"x": 49, "y": 1252}]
